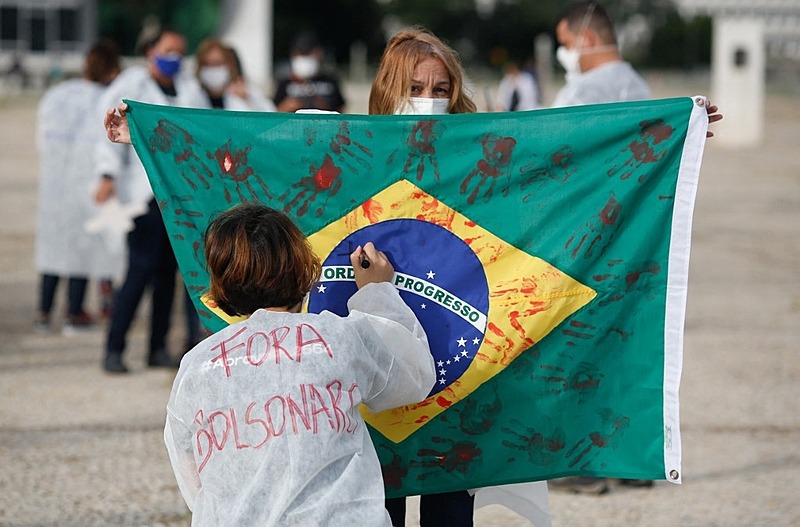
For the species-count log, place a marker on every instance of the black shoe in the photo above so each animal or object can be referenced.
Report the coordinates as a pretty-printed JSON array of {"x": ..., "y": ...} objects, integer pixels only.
[
  {"x": 161, "y": 359},
  {"x": 113, "y": 364}
]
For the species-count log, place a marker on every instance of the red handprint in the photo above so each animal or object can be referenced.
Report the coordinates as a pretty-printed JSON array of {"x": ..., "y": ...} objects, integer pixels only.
[
  {"x": 324, "y": 179},
  {"x": 232, "y": 163},
  {"x": 169, "y": 137},
  {"x": 541, "y": 449},
  {"x": 592, "y": 238},
  {"x": 557, "y": 168},
  {"x": 421, "y": 142},
  {"x": 641, "y": 152},
  {"x": 457, "y": 457},
  {"x": 497, "y": 153}
]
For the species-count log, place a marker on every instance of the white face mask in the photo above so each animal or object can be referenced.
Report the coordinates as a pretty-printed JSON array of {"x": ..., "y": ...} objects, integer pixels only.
[
  {"x": 424, "y": 106},
  {"x": 305, "y": 66},
  {"x": 215, "y": 78},
  {"x": 570, "y": 60}
]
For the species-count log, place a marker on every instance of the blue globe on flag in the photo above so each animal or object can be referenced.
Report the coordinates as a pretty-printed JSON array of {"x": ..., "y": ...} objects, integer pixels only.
[{"x": 439, "y": 278}]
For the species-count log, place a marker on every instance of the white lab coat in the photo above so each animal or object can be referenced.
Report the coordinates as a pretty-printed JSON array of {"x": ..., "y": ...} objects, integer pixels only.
[
  {"x": 283, "y": 443},
  {"x": 255, "y": 101},
  {"x": 120, "y": 161},
  {"x": 613, "y": 82},
  {"x": 67, "y": 132},
  {"x": 524, "y": 85}
]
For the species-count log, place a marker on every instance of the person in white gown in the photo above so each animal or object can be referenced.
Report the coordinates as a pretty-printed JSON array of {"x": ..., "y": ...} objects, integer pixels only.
[
  {"x": 517, "y": 90},
  {"x": 220, "y": 74},
  {"x": 263, "y": 424},
  {"x": 67, "y": 131}
]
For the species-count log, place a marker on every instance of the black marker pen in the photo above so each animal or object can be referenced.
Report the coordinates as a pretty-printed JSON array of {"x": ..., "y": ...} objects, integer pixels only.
[{"x": 364, "y": 261}]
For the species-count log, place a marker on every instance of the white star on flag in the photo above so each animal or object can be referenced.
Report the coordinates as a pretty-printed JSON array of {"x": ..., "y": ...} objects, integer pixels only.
[
  {"x": 442, "y": 381},
  {"x": 464, "y": 353},
  {"x": 431, "y": 274},
  {"x": 422, "y": 306},
  {"x": 457, "y": 358},
  {"x": 476, "y": 341},
  {"x": 442, "y": 372},
  {"x": 440, "y": 364},
  {"x": 461, "y": 342},
  {"x": 321, "y": 288}
]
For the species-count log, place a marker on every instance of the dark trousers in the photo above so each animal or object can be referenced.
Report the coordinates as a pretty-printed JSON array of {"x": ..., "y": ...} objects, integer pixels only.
[
  {"x": 151, "y": 262},
  {"x": 451, "y": 509},
  {"x": 76, "y": 292},
  {"x": 194, "y": 333}
]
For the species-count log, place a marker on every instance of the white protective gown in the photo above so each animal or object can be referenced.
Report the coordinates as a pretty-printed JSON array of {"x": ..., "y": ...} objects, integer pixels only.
[
  {"x": 524, "y": 85},
  {"x": 276, "y": 438},
  {"x": 255, "y": 101},
  {"x": 120, "y": 161},
  {"x": 67, "y": 131},
  {"x": 613, "y": 82}
]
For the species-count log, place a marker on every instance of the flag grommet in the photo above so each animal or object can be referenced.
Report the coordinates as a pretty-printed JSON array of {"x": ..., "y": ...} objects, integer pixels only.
[{"x": 674, "y": 475}]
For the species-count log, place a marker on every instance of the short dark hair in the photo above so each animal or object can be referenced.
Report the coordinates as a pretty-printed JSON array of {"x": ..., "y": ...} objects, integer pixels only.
[
  {"x": 305, "y": 43},
  {"x": 102, "y": 61},
  {"x": 598, "y": 21},
  {"x": 149, "y": 43},
  {"x": 258, "y": 258}
]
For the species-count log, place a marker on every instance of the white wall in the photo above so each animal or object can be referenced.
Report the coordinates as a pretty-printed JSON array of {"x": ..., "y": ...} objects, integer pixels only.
[
  {"x": 247, "y": 26},
  {"x": 738, "y": 78}
]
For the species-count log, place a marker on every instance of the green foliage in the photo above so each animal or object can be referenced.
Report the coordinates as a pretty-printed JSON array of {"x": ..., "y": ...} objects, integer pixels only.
[
  {"x": 123, "y": 20},
  {"x": 337, "y": 23},
  {"x": 483, "y": 39},
  {"x": 680, "y": 44}
]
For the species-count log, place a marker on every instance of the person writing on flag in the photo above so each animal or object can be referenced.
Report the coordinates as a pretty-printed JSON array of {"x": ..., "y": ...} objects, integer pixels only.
[{"x": 263, "y": 423}]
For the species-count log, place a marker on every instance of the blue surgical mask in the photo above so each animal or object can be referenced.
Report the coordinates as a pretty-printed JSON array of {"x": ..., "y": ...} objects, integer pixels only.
[{"x": 168, "y": 64}]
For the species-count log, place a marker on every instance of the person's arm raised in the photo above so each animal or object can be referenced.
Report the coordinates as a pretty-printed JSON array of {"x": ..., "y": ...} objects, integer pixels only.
[{"x": 116, "y": 124}]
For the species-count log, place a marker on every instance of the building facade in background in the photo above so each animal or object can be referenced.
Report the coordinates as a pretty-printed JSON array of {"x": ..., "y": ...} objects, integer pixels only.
[{"x": 40, "y": 39}]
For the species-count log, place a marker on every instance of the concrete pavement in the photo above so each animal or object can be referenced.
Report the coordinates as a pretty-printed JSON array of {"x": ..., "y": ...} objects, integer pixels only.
[{"x": 82, "y": 448}]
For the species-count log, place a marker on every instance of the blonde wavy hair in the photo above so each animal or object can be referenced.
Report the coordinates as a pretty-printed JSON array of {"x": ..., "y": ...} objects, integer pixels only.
[{"x": 406, "y": 49}]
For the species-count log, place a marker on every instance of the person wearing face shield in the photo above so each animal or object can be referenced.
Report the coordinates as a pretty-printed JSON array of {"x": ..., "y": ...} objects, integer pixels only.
[
  {"x": 307, "y": 86},
  {"x": 220, "y": 75},
  {"x": 151, "y": 262},
  {"x": 588, "y": 52}
]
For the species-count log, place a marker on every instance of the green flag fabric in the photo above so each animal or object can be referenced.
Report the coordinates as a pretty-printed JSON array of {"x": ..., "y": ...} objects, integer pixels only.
[{"x": 544, "y": 252}]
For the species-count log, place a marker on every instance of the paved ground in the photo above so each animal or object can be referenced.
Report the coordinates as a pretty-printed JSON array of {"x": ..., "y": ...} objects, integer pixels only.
[{"x": 81, "y": 448}]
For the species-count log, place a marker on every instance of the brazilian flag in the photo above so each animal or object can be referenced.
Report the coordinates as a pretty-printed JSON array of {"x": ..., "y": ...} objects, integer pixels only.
[{"x": 545, "y": 254}]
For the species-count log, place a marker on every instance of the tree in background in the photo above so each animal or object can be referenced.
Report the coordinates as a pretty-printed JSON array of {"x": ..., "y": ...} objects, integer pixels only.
[
  {"x": 125, "y": 20},
  {"x": 484, "y": 32}
]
